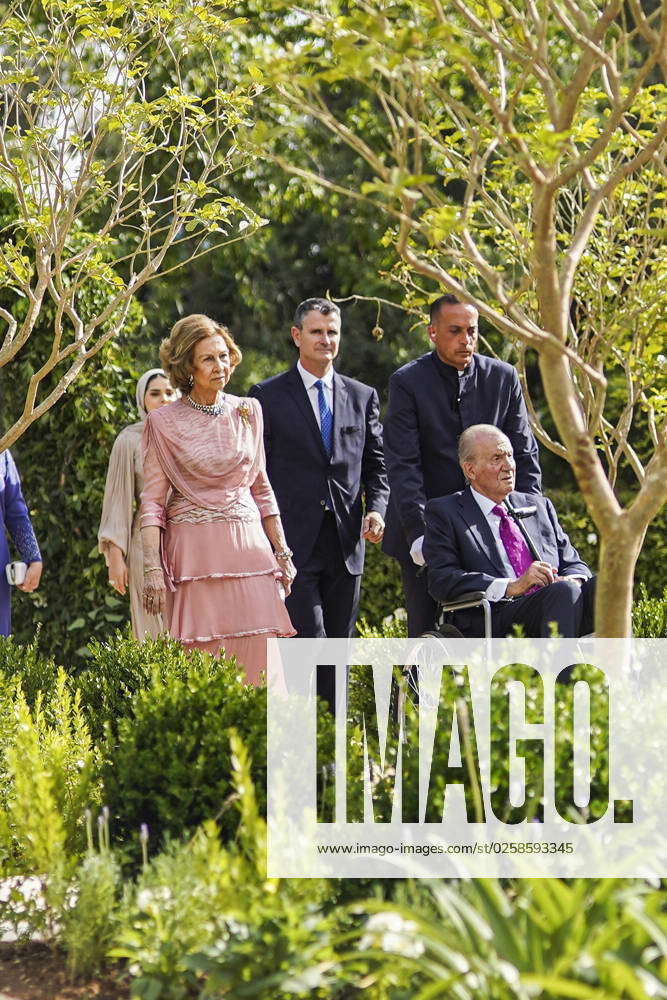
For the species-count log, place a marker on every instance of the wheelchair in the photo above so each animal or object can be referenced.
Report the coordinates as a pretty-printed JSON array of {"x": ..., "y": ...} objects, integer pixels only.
[
  {"x": 474, "y": 599},
  {"x": 442, "y": 631}
]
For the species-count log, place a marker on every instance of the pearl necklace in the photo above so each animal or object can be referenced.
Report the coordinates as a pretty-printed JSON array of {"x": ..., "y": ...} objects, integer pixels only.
[{"x": 213, "y": 409}]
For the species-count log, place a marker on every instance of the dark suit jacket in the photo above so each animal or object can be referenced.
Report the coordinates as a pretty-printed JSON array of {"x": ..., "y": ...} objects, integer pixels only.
[
  {"x": 462, "y": 554},
  {"x": 429, "y": 407},
  {"x": 304, "y": 480}
]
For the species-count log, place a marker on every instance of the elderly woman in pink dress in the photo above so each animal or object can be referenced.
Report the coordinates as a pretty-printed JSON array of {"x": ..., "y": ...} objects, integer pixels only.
[{"x": 215, "y": 556}]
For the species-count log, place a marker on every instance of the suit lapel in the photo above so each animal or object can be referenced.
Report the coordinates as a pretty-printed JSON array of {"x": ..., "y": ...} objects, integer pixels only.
[
  {"x": 300, "y": 397},
  {"x": 480, "y": 530},
  {"x": 339, "y": 413}
]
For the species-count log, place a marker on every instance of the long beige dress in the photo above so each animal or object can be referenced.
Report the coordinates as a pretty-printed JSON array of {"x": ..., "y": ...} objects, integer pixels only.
[{"x": 120, "y": 521}]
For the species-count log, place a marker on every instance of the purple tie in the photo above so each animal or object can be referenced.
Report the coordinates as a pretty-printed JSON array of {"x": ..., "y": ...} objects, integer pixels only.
[{"x": 517, "y": 551}]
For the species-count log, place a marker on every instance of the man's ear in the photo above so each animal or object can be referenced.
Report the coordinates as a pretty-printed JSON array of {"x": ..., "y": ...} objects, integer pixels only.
[
  {"x": 468, "y": 471},
  {"x": 431, "y": 333},
  {"x": 296, "y": 335}
]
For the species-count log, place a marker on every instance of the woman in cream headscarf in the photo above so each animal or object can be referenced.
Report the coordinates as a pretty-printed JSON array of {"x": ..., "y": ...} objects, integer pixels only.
[{"x": 119, "y": 535}]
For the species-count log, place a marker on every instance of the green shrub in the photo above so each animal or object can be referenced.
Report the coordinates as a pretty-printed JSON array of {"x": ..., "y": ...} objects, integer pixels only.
[
  {"x": 89, "y": 923},
  {"x": 51, "y": 780},
  {"x": 392, "y": 626},
  {"x": 381, "y": 587},
  {"x": 533, "y": 938},
  {"x": 649, "y": 615},
  {"x": 204, "y": 917},
  {"x": 48, "y": 780},
  {"x": 118, "y": 669},
  {"x": 167, "y": 762},
  {"x": 575, "y": 519},
  {"x": 36, "y": 671}
]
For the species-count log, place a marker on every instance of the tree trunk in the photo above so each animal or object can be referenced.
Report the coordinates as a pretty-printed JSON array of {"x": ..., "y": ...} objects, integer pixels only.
[{"x": 619, "y": 550}]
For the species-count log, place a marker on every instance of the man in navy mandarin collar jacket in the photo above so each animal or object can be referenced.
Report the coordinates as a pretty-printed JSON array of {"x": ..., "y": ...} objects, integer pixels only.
[{"x": 431, "y": 401}]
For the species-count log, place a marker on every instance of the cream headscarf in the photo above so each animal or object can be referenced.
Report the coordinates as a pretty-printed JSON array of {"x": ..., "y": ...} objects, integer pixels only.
[{"x": 142, "y": 385}]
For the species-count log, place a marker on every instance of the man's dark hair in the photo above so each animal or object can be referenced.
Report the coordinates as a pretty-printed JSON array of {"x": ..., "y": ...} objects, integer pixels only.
[
  {"x": 444, "y": 300},
  {"x": 323, "y": 306}
]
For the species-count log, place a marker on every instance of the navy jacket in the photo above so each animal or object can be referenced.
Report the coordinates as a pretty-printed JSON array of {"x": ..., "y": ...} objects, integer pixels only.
[
  {"x": 304, "y": 480},
  {"x": 429, "y": 407},
  {"x": 462, "y": 554}
]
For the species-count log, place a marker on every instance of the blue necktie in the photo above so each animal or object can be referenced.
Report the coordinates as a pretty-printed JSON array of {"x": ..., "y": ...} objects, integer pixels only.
[{"x": 326, "y": 419}]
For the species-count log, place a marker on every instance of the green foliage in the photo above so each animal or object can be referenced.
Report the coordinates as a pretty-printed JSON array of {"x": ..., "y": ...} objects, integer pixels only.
[
  {"x": 188, "y": 930},
  {"x": 203, "y": 919},
  {"x": 167, "y": 763},
  {"x": 47, "y": 779},
  {"x": 393, "y": 626},
  {"x": 89, "y": 925},
  {"x": 62, "y": 461},
  {"x": 381, "y": 587},
  {"x": 649, "y": 615},
  {"x": 117, "y": 670},
  {"x": 51, "y": 779},
  {"x": 36, "y": 672},
  {"x": 537, "y": 937},
  {"x": 120, "y": 130},
  {"x": 577, "y": 522}
]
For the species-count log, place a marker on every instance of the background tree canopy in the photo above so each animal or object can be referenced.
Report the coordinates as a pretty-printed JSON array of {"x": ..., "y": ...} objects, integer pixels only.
[{"x": 333, "y": 225}]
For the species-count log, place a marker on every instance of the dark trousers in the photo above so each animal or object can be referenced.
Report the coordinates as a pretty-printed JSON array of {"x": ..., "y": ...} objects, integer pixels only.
[
  {"x": 566, "y": 603},
  {"x": 324, "y": 601},
  {"x": 421, "y": 608}
]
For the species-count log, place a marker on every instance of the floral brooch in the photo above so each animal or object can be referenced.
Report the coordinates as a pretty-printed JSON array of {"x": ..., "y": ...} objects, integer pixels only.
[{"x": 244, "y": 413}]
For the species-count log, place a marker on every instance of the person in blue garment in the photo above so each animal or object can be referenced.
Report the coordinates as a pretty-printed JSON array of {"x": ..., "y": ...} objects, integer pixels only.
[{"x": 16, "y": 522}]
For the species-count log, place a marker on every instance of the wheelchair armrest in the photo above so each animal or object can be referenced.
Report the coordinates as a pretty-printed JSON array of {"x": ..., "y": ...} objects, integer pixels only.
[
  {"x": 470, "y": 600},
  {"x": 473, "y": 599}
]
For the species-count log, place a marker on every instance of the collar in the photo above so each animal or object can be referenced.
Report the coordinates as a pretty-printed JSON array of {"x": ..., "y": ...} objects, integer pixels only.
[
  {"x": 449, "y": 371},
  {"x": 485, "y": 503},
  {"x": 309, "y": 379}
]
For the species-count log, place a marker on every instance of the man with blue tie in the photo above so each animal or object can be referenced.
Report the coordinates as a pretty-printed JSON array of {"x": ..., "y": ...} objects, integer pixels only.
[{"x": 324, "y": 458}]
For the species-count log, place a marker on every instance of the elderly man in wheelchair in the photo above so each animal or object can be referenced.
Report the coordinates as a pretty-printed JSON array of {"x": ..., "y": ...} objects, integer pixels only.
[{"x": 496, "y": 558}]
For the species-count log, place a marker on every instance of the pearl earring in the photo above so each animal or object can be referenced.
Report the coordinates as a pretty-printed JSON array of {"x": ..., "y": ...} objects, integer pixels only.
[{"x": 190, "y": 380}]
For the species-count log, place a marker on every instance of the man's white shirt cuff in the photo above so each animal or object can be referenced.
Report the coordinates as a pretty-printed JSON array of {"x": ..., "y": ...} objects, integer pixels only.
[
  {"x": 496, "y": 590},
  {"x": 416, "y": 551}
]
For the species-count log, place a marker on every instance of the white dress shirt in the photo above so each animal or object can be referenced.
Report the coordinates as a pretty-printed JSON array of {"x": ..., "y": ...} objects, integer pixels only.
[{"x": 309, "y": 381}]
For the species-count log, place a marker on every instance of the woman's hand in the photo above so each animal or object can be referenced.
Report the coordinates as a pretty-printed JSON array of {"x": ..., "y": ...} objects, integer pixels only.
[
  {"x": 154, "y": 592},
  {"x": 287, "y": 573},
  {"x": 32, "y": 578},
  {"x": 118, "y": 575}
]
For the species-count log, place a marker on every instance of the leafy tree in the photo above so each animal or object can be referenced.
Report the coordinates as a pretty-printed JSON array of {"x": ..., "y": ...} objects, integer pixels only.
[
  {"x": 518, "y": 158},
  {"x": 110, "y": 164},
  {"x": 63, "y": 462}
]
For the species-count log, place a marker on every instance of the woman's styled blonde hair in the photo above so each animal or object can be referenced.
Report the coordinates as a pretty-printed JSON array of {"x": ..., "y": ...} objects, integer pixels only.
[{"x": 177, "y": 349}]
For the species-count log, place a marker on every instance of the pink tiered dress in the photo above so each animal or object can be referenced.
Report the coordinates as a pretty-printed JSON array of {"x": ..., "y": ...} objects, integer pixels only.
[{"x": 205, "y": 486}]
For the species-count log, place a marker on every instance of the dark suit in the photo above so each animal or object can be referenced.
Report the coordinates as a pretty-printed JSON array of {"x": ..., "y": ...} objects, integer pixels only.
[
  {"x": 462, "y": 555},
  {"x": 429, "y": 407},
  {"x": 320, "y": 499}
]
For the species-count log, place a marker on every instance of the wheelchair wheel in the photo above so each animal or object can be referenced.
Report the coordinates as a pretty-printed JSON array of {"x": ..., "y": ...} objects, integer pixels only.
[
  {"x": 443, "y": 632},
  {"x": 425, "y": 659}
]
